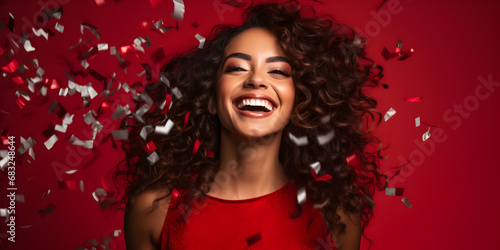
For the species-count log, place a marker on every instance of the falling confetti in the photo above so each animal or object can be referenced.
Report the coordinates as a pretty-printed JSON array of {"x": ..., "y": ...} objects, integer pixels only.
[{"x": 391, "y": 112}]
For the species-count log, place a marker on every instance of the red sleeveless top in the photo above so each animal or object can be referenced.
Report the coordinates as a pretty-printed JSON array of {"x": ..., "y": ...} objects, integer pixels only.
[{"x": 271, "y": 221}]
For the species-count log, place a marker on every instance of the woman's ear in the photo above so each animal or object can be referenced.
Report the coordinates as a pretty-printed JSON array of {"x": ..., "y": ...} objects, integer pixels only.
[{"x": 212, "y": 105}]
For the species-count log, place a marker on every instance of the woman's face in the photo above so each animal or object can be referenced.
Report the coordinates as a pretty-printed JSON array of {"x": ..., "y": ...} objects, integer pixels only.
[{"x": 255, "y": 91}]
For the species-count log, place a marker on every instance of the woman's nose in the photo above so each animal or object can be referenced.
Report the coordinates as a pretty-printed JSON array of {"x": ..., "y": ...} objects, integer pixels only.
[{"x": 256, "y": 80}]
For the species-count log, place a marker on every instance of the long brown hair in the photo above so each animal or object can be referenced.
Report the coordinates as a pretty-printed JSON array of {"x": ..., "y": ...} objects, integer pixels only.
[{"x": 330, "y": 71}]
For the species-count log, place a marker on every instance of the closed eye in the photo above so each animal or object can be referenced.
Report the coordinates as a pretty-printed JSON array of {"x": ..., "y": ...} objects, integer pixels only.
[
  {"x": 233, "y": 69},
  {"x": 280, "y": 72}
]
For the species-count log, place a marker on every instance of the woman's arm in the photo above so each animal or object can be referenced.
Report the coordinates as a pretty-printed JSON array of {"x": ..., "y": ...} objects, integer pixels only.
[
  {"x": 143, "y": 222},
  {"x": 351, "y": 238}
]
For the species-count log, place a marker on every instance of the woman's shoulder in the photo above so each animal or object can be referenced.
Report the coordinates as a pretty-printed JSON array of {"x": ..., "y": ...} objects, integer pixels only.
[{"x": 144, "y": 217}]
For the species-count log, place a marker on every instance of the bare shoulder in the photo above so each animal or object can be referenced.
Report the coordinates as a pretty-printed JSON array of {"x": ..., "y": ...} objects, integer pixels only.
[
  {"x": 144, "y": 218},
  {"x": 351, "y": 238}
]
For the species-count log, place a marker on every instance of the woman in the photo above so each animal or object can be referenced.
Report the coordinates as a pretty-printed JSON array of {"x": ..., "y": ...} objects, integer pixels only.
[{"x": 267, "y": 122}]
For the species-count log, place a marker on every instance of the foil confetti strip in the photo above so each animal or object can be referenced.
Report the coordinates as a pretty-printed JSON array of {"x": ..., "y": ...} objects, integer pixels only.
[
  {"x": 10, "y": 24},
  {"x": 50, "y": 142},
  {"x": 150, "y": 147},
  {"x": 196, "y": 146},
  {"x": 26, "y": 144},
  {"x": 417, "y": 122},
  {"x": 301, "y": 195},
  {"x": 179, "y": 10},
  {"x": 316, "y": 166},
  {"x": 17, "y": 80},
  {"x": 177, "y": 93},
  {"x": 59, "y": 28},
  {"x": 164, "y": 130},
  {"x": 145, "y": 131},
  {"x": 86, "y": 144},
  {"x": 99, "y": 2},
  {"x": 186, "y": 119},
  {"x": 71, "y": 171},
  {"x": 253, "y": 239},
  {"x": 120, "y": 111},
  {"x": 88, "y": 118},
  {"x": 3, "y": 212},
  {"x": 394, "y": 191},
  {"x": 81, "y": 186},
  {"x": 320, "y": 205},
  {"x": 427, "y": 134},
  {"x": 102, "y": 46},
  {"x": 40, "y": 32},
  {"x": 324, "y": 177},
  {"x": 325, "y": 119},
  {"x": 5, "y": 159},
  {"x": 323, "y": 139},
  {"x": 28, "y": 47},
  {"x": 209, "y": 153},
  {"x": 406, "y": 202},
  {"x": 20, "y": 198},
  {"x": 120, "y": 134},
  {"x": 391, "y": 112},
  {"x": 299, "y": 141},
  {"x": 67, "y": 185},
  {"x": 167, "y": 104},
  {"x": 68, "y": 119},
  {"x": 153, "y": 158},
  {"x": 92, "y": 28},
  {"x": 45, "y": 194},
  {"x": 201, "y": 40},
  {"x": 355, "y": 162},
  {"x": 145, "y": 97},
  {"x": 11, "y": 66},
  {"x": 413, "y": 99}
]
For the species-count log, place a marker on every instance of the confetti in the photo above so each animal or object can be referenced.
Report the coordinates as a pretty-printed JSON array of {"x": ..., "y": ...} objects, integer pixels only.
[
  {"x": 406, "y": 202},
  {"x": 164, "y": 130},
  {"x": 389, "y": 114},
  {"x": 417, "y": 122},
  {"x": 253, "y": 239},
  {"x": 68, "y": 185},
  {"x": 301, "y": 195},
  {"x": 86, "y": 144},
  {"x": 5, "y": 159},
  {"x": 186, "y": 119},
  {"x": 48, "y": 210},
  {"x": 196, "y": 146},
  {"x": 91, "y": 28},
  {"x": 3, "y": 212},
  {"x": 40, "y": 32},
  {"x": 81, "y": 186},
  {"x": 201, "y": 40},
  {"x": 50, "y": 142},
  {"x": 355, "y": 162},
  {"x": 325, "y": 119},
  {"x": 145, "y": 131},
  {"x": 316, "y": 166},
  {"x": 166, "y": 104},
  {"x": 394, "y": 191},
  {"x": 120, "y": 111},
  {"x": 413, "y": 99},
  {"x": 59, "y": 27},
  {"x": 46, "y": 194},
  {"x": 71, "y": 171},
  {"x": 299, "y": 141},
  {"x": 11, "y": 66},
  {"x": 153, "y": 158},
  {"x": 150, "y": 147},
  {"x": 323, "y": 139},
  {"x": 177, "y": 93},
  {"x": 179, "y": 10},
  {"x": 321, "y": 205},
  {"x": 426, "y": 135},
  {"x": 26, "y": 144},
  {"x": 28, "y": 47},
  {"x": 120, "y": 134}
]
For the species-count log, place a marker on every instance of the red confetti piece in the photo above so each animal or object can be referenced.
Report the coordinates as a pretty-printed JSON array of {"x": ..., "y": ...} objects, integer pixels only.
[
  {"x": 323, "y": 82},
  {"x": 99, "y": 2},
  {"x": 324, "y": 177},
  {"x": 186, "y": 119},
  {"x": 18, "y": 80},
  {"x": 21, "y": 101},
  {"x": 354, "y": 162},
  {"x": 103, "y": 183},
  {"x": 196, "y": 146},
  {"x": 168, "y": 100},
  {"x": 68, "y": 185},
  {"x": 154, "y": 3},
  {"x": 209, "y": 153},
  {"x": 150, "y": 147},
  {"x": 11, "y": 67},
  {"x": 54, "y": 84},
  {"x": 413, "y": 99}
]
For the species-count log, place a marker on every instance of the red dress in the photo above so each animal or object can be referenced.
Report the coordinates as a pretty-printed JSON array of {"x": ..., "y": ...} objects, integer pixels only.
[{"x": 264, "y": 222}]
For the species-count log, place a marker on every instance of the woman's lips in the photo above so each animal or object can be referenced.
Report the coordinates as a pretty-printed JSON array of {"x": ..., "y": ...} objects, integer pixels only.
[{"x": 255, "y": 100}]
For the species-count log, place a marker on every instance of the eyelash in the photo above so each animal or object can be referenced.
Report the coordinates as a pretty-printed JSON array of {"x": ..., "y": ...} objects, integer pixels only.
[{"x": 232, "y": 69}]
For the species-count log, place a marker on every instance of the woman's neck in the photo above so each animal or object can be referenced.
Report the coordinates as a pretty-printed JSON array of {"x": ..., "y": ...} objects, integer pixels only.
[{"x": 248, "y": 167}]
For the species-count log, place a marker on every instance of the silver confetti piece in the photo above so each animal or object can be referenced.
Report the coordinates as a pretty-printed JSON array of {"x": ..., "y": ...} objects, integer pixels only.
[
  {"x": 81, "y": 186},
  {"x": 145, "y": 97},
  {"x": 120, "y": 134},
  {"x": 323, "y": 139},
  {"x": 112, "y": 50},
  {"x": 3, "y": 212},
  {"x": 142, "y": 110},
  {"x": 26, "y": 144},
  {"x": 63, "y": 92},
  {"x": 153, "y": 158},
  {"x": 178, "y": 10},
  {"x": 406, "y": 202},
  {"x": 76, "y": 45},
  {"x": 43, "y": 90},
  {"x": 201, "y": 40},
  {"x": 28, "y": 47},
  {"x": 126, "y": 87},
  {"x": 316, "y": 166},
  {"x": 301, "y": 195},
  {"x": 321, "y": 205},
  {"x": 417, "y": 122},
  {"x": 86, "y": 144},
  {"x": 164, "y": 130},
  {"x": 389, "y": 114},
  {"x": 5, "y": 159},
  {"x": 177, "y": 93},
  {"x": 145, "y": 131},
  {"x": 299, "y": 141},
  {"x": 158, "y": 24},
  {"x": 50, "y": 142},
  {"x": 59, "y": 27},
  {"x": 325, "y": 119},
  {"x": 71, "y": 171},
  {"x": 40, "y": 32},
  {"x": 119, "y": 111},
  {"x": 89, "y": 118},
  {"x": 165, "y": 81},
  {"x": 394, "y": 191},
  {"x": 426, "y": 135},
  {"x": 92, "y": 92},
  {"x": 85, "y": 64},
  {"x": 102, "y": 46},
  {"x": 46, "y": 194}
]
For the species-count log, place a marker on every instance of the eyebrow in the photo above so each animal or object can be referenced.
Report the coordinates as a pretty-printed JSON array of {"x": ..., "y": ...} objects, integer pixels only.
[{"x": 249, "y": 58}]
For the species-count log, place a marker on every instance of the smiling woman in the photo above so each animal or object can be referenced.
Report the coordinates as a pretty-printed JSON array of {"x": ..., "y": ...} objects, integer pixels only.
[{"x": 252, "y": 151}]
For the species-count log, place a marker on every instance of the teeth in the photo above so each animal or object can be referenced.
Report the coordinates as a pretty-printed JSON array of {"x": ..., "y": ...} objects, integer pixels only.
[{"x": 255, "y": 102}]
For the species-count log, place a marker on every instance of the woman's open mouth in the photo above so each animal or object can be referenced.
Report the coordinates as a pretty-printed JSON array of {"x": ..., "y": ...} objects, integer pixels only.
[{"x": 254, "y": 105}]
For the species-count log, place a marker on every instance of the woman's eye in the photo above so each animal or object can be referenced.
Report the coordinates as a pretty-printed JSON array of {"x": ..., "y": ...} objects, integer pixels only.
[
  {"x": 280, "y": 72},
  {"x": 233, "y": 69}
]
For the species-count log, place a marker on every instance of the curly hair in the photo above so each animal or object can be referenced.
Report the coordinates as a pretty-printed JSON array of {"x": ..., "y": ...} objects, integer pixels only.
[{"x": 330, "y": 71}]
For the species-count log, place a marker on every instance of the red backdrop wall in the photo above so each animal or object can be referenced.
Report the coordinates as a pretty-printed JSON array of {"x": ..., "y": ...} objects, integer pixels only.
[{"x": 451, "y": 179}]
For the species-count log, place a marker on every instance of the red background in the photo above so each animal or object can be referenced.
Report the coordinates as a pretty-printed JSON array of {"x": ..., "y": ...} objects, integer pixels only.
[{"x": 452, "y": 186}]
